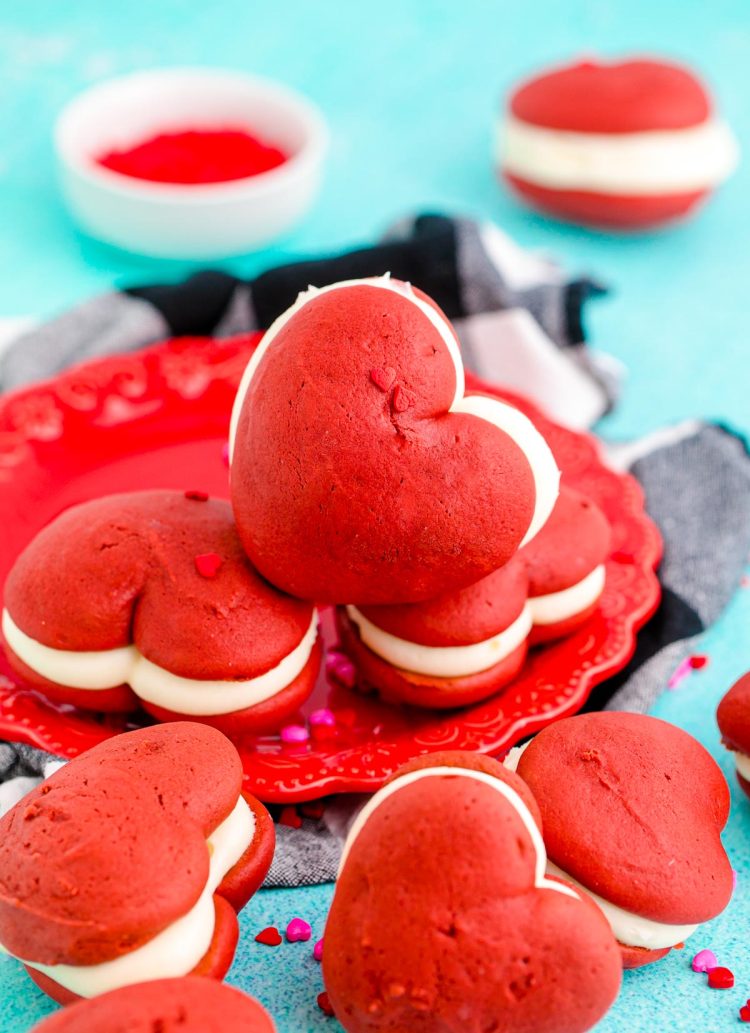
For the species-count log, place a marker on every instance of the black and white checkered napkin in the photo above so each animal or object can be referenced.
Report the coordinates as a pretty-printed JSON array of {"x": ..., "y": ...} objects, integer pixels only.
[{"x": 519, "y": 318}]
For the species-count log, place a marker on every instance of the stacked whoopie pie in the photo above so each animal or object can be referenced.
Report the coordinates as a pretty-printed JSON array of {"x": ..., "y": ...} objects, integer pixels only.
[{"x": 362, "y": 475}]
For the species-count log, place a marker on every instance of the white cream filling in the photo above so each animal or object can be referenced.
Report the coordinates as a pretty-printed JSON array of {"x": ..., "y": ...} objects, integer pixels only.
[
  {"x": 176, "y": 950},
  {"x": 652, "y": 162},
  {"x": 629, "y": 929},
  {"x": 105, "y": 669},
  {"x": 559, "y": 606},
  {"x": 442, "y": 661},
  {"x": 742, "y": 763},
  {"x": 505, "y": 417},
  {"x": 540, "y": 879}
]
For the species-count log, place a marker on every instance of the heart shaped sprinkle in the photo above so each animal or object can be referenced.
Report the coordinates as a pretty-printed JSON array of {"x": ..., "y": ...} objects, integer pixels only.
[
  {"x": 383, "y": 377},
  {"x": 298, "y": 931},
  {"x": 208, "y": 564},
  {"x": 324, "y": 1003},
  {"x": 703, "y": 961},
  {"x": 294, "y": 734},
  {"x": 720, "y": 978},
  {"x": 269, "y": 937},
  {"x": 318, "y": 950},
  {"x": 401, "y": 399},
  {"x": 324, "y": 716},
  {"x": 340, "y": 667},
  {"x": 745, "y": 1012},
  {"x": 196, "y": 496},
  {"x": 290, "y": 818}
]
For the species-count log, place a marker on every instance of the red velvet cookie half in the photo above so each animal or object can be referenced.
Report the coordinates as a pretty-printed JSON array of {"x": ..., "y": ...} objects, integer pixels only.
[{"x": 189, "y": 1004}]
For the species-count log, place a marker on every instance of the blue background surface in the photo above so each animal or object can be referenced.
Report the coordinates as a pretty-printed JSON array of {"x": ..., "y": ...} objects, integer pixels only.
[{"x": 410, "y": 89}]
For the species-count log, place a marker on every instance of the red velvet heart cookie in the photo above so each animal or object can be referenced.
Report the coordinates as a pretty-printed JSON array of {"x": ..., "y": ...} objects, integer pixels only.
[
  {"x": 130, "y": 861},
  {"x": 565, "y": 566},
  {"x": 450, "y": 651},
  {"x": 626, "y": 144},
  {"x": 148, "y": 597},
  {"x": 187, "y": 1005},
  {"x": 443, "y": 918},
  {"x": 361, "y": 473},
  {"x": 632, "y": 810},
  {"x": 733, "y": 717}
]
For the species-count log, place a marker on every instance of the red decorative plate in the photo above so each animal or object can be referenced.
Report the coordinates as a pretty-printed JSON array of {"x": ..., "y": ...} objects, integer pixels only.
[{"x": 159, "y": 418}]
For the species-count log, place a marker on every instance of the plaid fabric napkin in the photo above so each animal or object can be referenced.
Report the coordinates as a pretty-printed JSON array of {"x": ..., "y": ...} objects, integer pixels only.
[{"x": 520, "y": 321}]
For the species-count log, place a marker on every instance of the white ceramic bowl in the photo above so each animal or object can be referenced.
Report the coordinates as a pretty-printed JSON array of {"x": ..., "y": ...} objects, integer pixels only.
[{"x": 202, "y": 222}]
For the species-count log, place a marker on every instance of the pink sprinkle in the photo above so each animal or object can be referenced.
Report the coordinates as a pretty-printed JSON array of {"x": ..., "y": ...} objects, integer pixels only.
[
  {"x": 324, "y": 716},
  {"x": 225, "y": 453},
  {"x": 340, "y": 667},
  {"x": 682, "y": 671},
  {"x": 704, "y": 961},
  {"x": 298, "y": 929},
  {"x": 734, "y": 880},
  {"x": 294, "y": 733},
  {"x": 318, "y": 950}
]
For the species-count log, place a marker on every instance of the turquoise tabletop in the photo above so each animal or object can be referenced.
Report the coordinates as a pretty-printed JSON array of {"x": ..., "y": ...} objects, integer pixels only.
[{"x": 411, "y": 89}]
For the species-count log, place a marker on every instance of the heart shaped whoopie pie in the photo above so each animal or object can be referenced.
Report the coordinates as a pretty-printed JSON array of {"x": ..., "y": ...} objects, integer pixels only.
[
  {"x": 628, "y": 144},
  {"x": 466, "y": 644},
  {"x": 442, "y": 917},
  {"x": 360, "y": 471},
  {"x": 148, "y": 597},
  {"x": 632, "y": 809},
  {"x": 129, "y": 863},
  {"x": 733, "y": 718},
  {"x": 187, "y": 1005}
]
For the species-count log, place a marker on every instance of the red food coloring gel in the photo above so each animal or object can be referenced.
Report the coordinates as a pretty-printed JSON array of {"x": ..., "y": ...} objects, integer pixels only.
[
  {"x": 720, "y": 978},
  {"x": 269, "y": 937},
  {"x": 324, "y": 1003},
  {"x": 196, "y": 496},
  {"x": 290, "y": 817},
  {"x": 208, "y": 564},
  {"x": 698, "y": 661},
  {"x": 195, "y": 156}
]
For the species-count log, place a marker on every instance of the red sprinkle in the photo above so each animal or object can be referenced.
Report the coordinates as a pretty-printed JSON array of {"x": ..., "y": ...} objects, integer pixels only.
[
  {"x": 290, "y": 818},
  {"x": 745, "y": 1012},
  {"x": 622, "y": 556},
  {"x": 196, "y": 496},
  {"x": 324, "y": 1003},
  {"x": 720, "y": 978},
  {"x": 208, "y": 564},
  {"x": 270, "y": 936},
  {"x": 696, "y": 662},
  {"x": 383, "y": 378},
  {"x": 401, "y": 399},
  {"x": 195, "y": 156}
]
